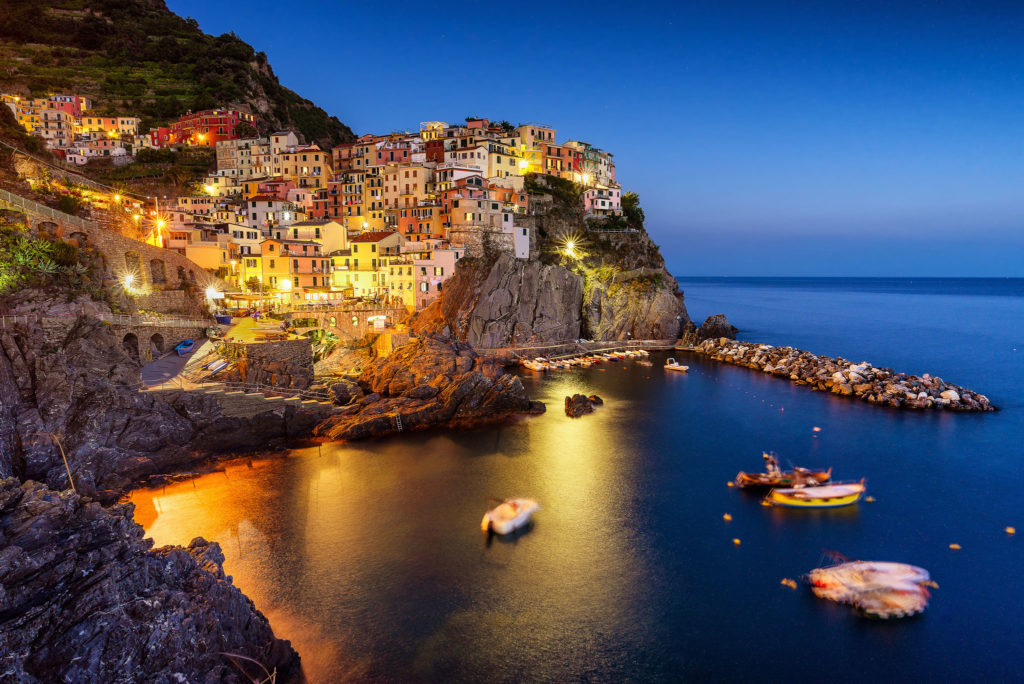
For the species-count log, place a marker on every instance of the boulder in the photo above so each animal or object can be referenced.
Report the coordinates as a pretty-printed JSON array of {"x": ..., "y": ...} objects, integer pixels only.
[
  {"x": 951, "y": 395},
  {"x": 716, "y": 326},
  {"x": 578, "y": 405}
]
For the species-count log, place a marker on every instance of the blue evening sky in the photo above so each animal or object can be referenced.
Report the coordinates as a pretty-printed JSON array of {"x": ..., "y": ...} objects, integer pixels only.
[{"x": 764, "y": 138}]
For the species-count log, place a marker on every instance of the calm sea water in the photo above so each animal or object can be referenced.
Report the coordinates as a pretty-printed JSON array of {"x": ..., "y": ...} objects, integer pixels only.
[{"x": 370, "y": 558}]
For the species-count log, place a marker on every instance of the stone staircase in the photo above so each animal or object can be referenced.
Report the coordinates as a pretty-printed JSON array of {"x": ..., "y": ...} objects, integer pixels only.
[{"x": 249, "y": 404}]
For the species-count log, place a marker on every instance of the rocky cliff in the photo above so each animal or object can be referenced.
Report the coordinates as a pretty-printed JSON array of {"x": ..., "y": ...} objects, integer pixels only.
[
  {"x": 69, "y": 387},
  {"x": 83, "y": 598},
  {"x": 429, "y": 382},
  {"x": 596, "y": 279}
]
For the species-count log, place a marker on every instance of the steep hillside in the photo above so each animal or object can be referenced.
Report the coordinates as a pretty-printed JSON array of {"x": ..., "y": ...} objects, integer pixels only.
[{"x": 137, "y": 56}]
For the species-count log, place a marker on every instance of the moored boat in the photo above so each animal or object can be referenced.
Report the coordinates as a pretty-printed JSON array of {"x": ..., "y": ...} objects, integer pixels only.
[
  {"x": 674, "y": 365},
  {"x": 877, "y": 589},
  {"x": 185, "y": 347},
  {"x": 509, "y": 515},
  {"x": 775, "y": 477},
  {"x": 818, "y": 496}
]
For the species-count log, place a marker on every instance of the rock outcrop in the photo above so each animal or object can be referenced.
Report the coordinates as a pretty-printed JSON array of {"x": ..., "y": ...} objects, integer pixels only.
[
  {"x": 716, "y": 326},
  {"x": 580, "y": 404},
  {"x": 862, "y": 380},
  {"x": 429, "y": 382},
  {"x": 71, "y": 391},
  {"x": 635, "y": 306},
  {"x": 84, "y": 598},
  {"x": 508, "y": 302}
]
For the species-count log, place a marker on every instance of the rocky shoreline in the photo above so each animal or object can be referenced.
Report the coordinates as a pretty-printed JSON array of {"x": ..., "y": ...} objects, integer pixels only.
[
  {"x": 429, "y": 382},
  {"x": 84, "y": 597},
  {"x": 875, "y": 385}
]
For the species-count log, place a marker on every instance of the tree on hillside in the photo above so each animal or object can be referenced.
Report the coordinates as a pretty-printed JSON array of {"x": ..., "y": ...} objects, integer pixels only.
[{"x": 631, "y": 208}]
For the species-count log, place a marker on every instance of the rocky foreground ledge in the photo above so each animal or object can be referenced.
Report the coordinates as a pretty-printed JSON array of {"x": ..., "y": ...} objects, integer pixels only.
[
  {"x": 882, "y": 386},
  {"x": 83, "y": 598}
]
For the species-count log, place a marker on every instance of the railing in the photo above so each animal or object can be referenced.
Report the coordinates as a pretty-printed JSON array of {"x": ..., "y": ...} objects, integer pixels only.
[{"x": 43, "y": 210}]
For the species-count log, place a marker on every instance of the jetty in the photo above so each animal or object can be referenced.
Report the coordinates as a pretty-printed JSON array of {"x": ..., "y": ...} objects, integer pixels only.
[{"x": 864, "y": 381}]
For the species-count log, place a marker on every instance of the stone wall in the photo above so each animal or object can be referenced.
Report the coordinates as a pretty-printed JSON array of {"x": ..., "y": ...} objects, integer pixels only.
[
  {"x": 177, "y": 302},
  {"x": 283, "y": 363}
]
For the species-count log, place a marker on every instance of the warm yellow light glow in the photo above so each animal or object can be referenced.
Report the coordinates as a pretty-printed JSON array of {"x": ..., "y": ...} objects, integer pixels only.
[
  {"x": 570, "y": 246},
  {"x": 117, "y": 198},
  {"x": 128, "y": 280},
  {"x": 137, "y": 217},
  {"x": 523, "y": 163},
  {"x": 286, "y": 285},
  {"x": 160, "y": 223},
  {"x": 211, "y": 292},
  {"x": 209, "y": 189}
]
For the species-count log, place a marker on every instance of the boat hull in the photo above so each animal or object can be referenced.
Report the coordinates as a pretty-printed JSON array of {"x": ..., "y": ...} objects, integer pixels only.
[
  {"x": 807, "y": 497},
  {"x": 509, "y": 516}
]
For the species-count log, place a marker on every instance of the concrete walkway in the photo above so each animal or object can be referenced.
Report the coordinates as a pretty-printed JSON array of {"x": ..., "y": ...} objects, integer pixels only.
[{"x": 168, "y": 367}]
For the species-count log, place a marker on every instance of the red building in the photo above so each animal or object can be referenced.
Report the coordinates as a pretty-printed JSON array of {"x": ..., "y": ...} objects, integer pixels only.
[
  {"x": 160, "y": 137},
  {"x": 435, "y": 150},
  {"x": 208, "y": 127},
  {"x": 328, "y": 202}
]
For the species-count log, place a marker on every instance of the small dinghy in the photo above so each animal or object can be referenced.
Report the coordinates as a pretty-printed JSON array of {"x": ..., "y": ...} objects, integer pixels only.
[
  {"x": 509, "y": 515},
  {"x": 674, "y": 365},
  {"x": 821, "y": 496},
  {"x": 185, "y": 347},
  {"x": 876, "y": 589},
  {"x": 537, "y": 365}
]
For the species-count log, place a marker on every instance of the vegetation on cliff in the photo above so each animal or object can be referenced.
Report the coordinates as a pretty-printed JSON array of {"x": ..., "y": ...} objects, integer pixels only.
[{"x": 136, "y": 56}]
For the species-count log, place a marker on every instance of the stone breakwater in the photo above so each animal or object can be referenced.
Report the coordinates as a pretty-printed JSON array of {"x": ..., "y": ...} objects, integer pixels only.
[{"x": 882, "y": 386}]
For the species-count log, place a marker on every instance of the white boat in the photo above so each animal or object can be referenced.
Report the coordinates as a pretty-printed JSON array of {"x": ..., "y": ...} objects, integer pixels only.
[
  {"x": 674, "y": 365},
  {"x": 876, "y": 589},
  {"x": 509, "y": 515},
  {"x": 538, "y": 364}
]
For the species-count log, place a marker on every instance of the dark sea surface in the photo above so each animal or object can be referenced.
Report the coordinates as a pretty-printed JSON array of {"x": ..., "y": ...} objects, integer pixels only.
[{"x": 371, "y": 560}]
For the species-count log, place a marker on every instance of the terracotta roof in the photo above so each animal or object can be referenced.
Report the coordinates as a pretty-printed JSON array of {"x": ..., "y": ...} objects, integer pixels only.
[
  {"x": 266, "y": 198},
  {"x": 375, "y": 236}
]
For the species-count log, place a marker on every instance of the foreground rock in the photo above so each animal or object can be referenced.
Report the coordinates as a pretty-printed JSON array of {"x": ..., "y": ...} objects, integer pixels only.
[
  {"x": 427, "y": 383},
  {"x": 837, "y": 375},
  {"x": 83, "y": 598},
  {"x": 73, "y": 387},
  {"x": 580, "y": 404}
]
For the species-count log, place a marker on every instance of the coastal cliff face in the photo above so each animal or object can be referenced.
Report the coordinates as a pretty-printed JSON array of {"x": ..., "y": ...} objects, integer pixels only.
[
  {"x": 611, "y": 285},
  {"x": 429, "y": 382},
  {"x": 83, "y": 597},
  {"x": 74, "y": 388},
  {"x": 510, "y": 302}
]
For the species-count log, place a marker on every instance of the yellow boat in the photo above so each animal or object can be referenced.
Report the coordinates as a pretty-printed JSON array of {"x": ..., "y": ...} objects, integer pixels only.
[{"x": 824, "y": 496}]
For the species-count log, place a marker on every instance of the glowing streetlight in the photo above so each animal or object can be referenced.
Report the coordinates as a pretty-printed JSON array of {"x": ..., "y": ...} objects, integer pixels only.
[
  {"x": 137, "y": 217},
  {"x": 211, "y": 292},
  {"x": 209, "y": 189},
  {"x": 127, "y": 280},
  {"x": 117, "y": 198}
]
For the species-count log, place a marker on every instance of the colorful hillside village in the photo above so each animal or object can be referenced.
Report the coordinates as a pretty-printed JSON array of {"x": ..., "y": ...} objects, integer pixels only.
[{"x": 384, "y": 218}]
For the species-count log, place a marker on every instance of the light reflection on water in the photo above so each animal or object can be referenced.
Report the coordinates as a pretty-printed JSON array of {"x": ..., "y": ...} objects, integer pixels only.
[{"x": 370, "y": 559}]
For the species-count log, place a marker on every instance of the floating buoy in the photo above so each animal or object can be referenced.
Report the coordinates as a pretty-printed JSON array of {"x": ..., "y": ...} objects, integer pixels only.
[
  {"x": 869, "y": 499},
  {"x": 1011, "y": 530},
  {"x": 816, "y": 428},
  {"x": 788, "y": 583},
  {"x": 955, "y": 547},
  {"x": 727, "y": 517},
  {"x": 736, "y": 542},
  {"x": 730, "y": 484}
]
